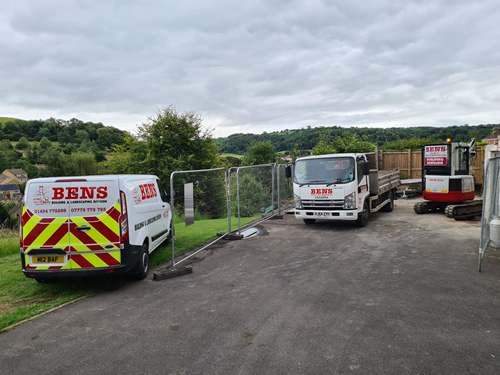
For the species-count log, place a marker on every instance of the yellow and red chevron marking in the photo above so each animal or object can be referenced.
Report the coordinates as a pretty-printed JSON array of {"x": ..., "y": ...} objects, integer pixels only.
[
  {"x": 43, "y": 232},
  {"x": 84, "y": 249},
  {"x": 40, "y": 233},
  {"x": 88, "y": 248}
]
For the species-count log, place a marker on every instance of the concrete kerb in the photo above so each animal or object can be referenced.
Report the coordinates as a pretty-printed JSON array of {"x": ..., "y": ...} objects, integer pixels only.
[{"x": 31, "y": 318}]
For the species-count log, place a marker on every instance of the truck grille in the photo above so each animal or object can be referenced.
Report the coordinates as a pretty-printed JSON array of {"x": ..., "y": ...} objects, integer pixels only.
[{"x": 323, "y": 204}]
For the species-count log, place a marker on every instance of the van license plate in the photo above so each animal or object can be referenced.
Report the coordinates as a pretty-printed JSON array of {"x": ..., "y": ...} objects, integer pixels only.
[
  {"x": 42, "y": 259},
  {"x": 321, "y": 214}
]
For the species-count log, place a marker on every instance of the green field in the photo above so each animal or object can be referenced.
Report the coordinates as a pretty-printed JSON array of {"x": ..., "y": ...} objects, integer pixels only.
[
  {"x": 22, "y": 298},
  {"x": 3, "y": 120},
  {"x": 232, "y": 155}
]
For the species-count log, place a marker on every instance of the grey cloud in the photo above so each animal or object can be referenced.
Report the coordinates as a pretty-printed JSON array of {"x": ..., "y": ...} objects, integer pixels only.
[{"x": 253, "y": 66}]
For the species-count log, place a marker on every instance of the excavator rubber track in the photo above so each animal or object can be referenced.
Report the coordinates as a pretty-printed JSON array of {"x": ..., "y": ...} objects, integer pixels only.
[
  {"x": 457, "y": 211},
  {"x": 464, "y": 210},
  {"x": 424, "y": 207}
]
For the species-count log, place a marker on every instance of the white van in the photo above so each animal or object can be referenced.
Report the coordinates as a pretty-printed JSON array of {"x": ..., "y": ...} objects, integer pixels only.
[{"x": 92, "y": 225}]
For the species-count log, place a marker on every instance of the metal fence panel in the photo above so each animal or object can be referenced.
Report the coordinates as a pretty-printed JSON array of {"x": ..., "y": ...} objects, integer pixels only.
[
  {"x": 284, "y": 189},
  {"x": 258, "y": 191},
  {"x": 491, "y": 208},
  {"x": 209, "y": 201},
  {"x": 252, "y": 191}
]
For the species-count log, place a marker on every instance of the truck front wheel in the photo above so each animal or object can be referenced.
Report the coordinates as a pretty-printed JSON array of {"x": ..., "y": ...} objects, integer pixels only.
[{"x": 363, "y": 216}]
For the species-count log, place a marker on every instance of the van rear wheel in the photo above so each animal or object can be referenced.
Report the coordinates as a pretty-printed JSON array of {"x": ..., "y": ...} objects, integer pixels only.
[{"x": 143, "y": 263}]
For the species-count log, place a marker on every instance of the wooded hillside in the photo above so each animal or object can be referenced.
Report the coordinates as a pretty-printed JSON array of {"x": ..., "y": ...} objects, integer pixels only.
[
  {"x": 64, "y": 147},
  {"x": 307, "y": 138}
]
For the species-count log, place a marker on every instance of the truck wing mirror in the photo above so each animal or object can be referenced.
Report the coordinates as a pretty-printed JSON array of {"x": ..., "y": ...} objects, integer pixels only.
[
  {"x": 288, "y": 171},
  {"x": 366, "y": 168}
]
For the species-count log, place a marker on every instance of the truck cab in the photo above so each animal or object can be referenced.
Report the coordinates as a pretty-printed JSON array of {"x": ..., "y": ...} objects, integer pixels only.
[
  {"x": 341, "y": 187},
  {"x": 331, "y": 187}
]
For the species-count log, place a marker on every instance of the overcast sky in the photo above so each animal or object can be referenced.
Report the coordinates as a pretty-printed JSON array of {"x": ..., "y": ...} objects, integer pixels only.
[{"x": 254, "y": 66}]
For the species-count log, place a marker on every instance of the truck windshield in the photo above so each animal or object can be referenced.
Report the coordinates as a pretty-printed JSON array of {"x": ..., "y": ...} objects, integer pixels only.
[{"x": 338, "y": 170}]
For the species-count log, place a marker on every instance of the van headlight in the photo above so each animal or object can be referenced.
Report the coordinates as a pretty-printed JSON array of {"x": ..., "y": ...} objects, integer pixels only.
[
  {"x": 298, "y": 202},
  {"x": 350, "y": 202}
]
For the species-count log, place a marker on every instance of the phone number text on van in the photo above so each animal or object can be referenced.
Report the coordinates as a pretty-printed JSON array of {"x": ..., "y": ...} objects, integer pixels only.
[{"x": 51, "y": 211}]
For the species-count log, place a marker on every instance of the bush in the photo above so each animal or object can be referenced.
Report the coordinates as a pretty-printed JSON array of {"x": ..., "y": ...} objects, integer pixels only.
[{"x": 253, "y": 196}]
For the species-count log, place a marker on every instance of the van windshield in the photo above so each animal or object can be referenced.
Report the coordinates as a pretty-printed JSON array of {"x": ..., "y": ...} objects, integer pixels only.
[{"x": 338, "y": 170}]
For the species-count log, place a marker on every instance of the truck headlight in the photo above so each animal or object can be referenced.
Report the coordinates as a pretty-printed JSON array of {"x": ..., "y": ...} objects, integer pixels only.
[
  {"x": 298, "y": 202},
  {"x": 350, "y": 202}
]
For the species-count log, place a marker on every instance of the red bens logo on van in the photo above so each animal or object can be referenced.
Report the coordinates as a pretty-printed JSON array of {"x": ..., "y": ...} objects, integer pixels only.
[
  {"x": 82, "y": 192},
  {"x": 321, "y": 191},
  {"x": 144, "y": 191},
  {"x": 40, "y": 198},
  {"x": 148, "y": 191},
  {"x": 136, "y": 193}
]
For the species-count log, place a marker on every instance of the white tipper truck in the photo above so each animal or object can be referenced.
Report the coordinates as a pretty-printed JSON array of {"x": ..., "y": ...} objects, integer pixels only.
[{"x": 341, "y": 187}]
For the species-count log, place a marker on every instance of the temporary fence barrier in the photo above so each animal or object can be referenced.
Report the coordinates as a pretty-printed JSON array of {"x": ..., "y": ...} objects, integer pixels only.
[
  {"x": 253, "y": 190},
  {"x": 243, "y": 191},
  {"x": 202, "y": 192},
  {"x": 490, "y": 221},
  {"x": 284, "y": 188}
]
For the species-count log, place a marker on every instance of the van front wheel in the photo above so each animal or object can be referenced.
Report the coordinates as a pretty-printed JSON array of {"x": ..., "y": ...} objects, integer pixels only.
[{"x": 143, "y": 263}]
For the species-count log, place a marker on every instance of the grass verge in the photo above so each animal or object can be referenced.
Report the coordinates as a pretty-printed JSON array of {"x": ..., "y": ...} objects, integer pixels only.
[{"x": 22, "y": 298}]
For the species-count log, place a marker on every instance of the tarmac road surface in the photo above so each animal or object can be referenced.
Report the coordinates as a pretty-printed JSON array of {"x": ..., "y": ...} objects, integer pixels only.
[{"x": 400, "y": 296}]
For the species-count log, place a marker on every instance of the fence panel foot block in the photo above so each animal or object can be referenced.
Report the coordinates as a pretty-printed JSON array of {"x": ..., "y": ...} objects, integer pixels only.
[{"x": 171, "y": 273}]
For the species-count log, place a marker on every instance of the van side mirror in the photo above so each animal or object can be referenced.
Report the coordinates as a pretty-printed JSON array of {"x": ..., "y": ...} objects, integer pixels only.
[
  {"x": 366, "y": 168},
  {"x": 288, "y": 171}
]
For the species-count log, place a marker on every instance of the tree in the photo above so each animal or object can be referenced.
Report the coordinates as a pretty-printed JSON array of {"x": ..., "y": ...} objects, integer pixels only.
[
  {"x": 260, "y": 153},
  {"x": 232, "y": 161},
  {"x": 4, "y": 213},
  {"x": 253, "y": 196},
  {"x": 349, "y": 143},
  {"x": 81, "y": 136},
  {"x": 33, "y": 154},
  {"x": 59, "y": 164},
  {"x": 22, "y": 144},
  {"x": 5, "y": 145},
  {"x": 167, "y": 142},
  {"x": 83, "y": 164},
  {"x": 109, "y": 136},
  {"x": 4, "y": 162},
  {"x": 171, "y": 141},
  {"x": 410, "y": 144},
  {"x": 45, "y": 144}
]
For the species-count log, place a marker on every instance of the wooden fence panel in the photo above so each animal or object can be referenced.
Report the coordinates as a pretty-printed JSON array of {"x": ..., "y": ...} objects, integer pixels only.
[
  {"x": 409, "y": 163},
  {"x": 479, "y": 166}
]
